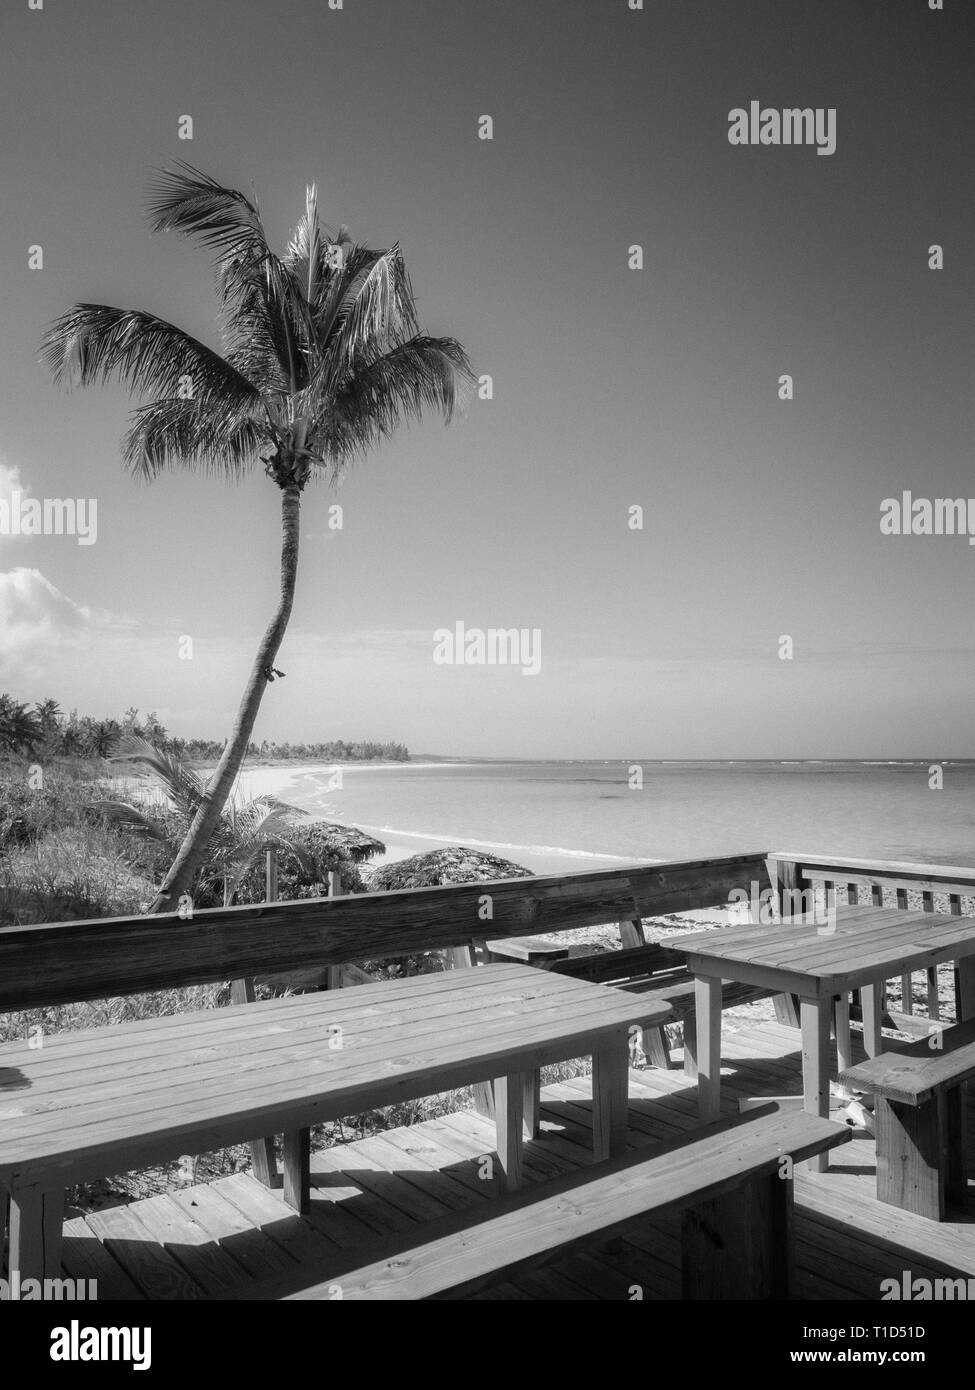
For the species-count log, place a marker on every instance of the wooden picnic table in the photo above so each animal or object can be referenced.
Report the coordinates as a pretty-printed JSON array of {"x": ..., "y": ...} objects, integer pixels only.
[
  {"x": 821, "y": 961},
  {"x": 88, "y": 1104}
]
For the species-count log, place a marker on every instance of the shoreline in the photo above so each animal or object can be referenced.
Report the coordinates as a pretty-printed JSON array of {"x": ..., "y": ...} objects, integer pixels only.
[
  {"x": 545, "y": 860},
  {"x": 280, "y": 782}
]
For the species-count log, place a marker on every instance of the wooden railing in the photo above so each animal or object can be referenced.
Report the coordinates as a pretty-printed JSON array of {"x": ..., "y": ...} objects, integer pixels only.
[
  {"x": 884, "y": 883},
  {"x": 70, "y": 962}
]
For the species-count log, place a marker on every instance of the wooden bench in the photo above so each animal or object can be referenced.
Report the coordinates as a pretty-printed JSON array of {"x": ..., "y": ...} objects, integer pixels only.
[
  {"x": 919, "y": 1093},
  {"x": 728, "y": 1181},
  {"x": 654, "y": 972}
]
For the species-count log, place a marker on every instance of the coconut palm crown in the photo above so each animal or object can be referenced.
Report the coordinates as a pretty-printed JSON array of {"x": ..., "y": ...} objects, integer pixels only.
[{"x": 322, "y": 357}]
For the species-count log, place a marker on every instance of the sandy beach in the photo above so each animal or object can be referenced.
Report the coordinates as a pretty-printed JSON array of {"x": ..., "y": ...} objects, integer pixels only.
[{"x": 311, "y": 787}]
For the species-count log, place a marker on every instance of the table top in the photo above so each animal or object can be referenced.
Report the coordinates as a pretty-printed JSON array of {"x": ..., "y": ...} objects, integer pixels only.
[
  {"x": 205, "y": 1076},
  {"x": 868, "y": 944}
]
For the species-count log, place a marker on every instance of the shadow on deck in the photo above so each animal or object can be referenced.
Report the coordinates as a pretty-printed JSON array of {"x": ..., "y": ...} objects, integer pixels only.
[{"x": 212, "y": 1240}]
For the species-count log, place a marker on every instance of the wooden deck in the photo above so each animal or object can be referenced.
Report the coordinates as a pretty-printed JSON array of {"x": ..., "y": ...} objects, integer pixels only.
[{"x": 209, "y": 1241}]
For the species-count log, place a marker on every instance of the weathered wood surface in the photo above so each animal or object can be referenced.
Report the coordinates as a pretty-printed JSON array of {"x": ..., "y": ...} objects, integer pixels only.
[
  {"x": 88, "y": 1104},
  {"x": 920, "y": 1070},
  {"x": 73, "y": 961},
  {"x": 867, "y": 944},
  {"x": 524, "y": 1233},
  {"x": 741, "y": 1245},
  {"x": 934, "y": 878},
  {"x": 531, "y": 950},
  {"x": 911, "y": 1157}
]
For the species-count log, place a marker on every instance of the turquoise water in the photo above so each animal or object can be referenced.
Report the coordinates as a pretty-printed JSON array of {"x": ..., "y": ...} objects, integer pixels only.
[{"x": 584, "y": 813}]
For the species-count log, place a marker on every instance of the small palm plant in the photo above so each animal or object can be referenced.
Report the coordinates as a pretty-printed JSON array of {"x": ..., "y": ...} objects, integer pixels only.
[
  {"x": 322, "y": 359},
  {"x": 244, "y": 833},
  {"x": 20, "y": 728}
]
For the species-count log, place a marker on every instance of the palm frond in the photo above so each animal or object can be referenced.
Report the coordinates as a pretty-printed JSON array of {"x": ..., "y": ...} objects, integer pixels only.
[
  {"x": 169, "y": 434},
  {"x": 252, "y": 282},
  {"x": 307, "y": 254},
  {"x": 183, "y": 786},
  {"x": 185, "y": 200},
  {"x": 268, "y": 341},
  {"x": 422, "y": 373},
  {"x": 260, "y": 825},
  {"x": 374, "y": 310},
  {"x": 97, "y": 342},
  {"x": 128, "y": 817}
]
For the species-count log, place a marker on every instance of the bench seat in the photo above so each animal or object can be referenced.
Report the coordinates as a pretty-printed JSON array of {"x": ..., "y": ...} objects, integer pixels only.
[
  {"x": 919, "y": 1118},
  {"x": 656, "y": 973},
  {"x": 920, "y": 1070},
  {"x": 725, "y": 1179}
]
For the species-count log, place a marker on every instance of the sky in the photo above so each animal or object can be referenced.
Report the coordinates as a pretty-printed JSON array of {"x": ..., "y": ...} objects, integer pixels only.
[{"x": 760, "y": 611}]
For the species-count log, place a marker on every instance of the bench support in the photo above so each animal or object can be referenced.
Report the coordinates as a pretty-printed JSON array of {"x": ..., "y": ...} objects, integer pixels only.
[
  {"x": 920, "y": 1154},
  {"x": 787, "y": 1009},
  {"x": 36, "y": 1226},
  {"x": 739, "y": 1245}
]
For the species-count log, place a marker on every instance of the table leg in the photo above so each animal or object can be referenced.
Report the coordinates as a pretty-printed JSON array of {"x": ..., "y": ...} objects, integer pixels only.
[
  {"x": 297, "y": 1170},
  {"x": 872, "y": 998},
  {"x": 707, "y": 1009},
  {"x": 841, "y": 1021},
  {"x": 610, "y": 1097},
  {"x": 36, "y": 1225},
  {"x": 532, "y": 1104},
  {"x": 509, "y": 1093},
  {"x": 814, "y": 1016}
]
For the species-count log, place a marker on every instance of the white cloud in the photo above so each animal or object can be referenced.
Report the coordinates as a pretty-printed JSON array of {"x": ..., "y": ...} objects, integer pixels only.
[
  {"x": 10, "y": 482},
  {"x": 35, "y": 617}
]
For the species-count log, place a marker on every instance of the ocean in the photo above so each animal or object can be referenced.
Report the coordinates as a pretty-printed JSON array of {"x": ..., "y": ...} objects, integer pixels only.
[{"x": 564, "y": 816}]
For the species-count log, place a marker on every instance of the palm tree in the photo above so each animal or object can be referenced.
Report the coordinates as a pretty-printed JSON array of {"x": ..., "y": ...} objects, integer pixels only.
[
  {"x": 48, "y": 713},
  {"x": 101, "y": 737},
  {"x": 322, "y": 358},
  {"x": 20, "y": 728},
  {"x": 244, "y": 832}
]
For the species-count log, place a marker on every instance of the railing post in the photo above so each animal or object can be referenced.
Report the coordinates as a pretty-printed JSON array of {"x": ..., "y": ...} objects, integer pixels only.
[
  {"x": 335, "y": 890},
  {"x": 784, "y": 878}
]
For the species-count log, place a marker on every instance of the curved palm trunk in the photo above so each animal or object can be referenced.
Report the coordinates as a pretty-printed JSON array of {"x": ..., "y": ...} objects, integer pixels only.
[{"x": 193, "y": 848}]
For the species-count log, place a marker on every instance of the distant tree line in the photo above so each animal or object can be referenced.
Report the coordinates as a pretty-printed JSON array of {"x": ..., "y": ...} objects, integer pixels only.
[{"x": 44, "y": 731}]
